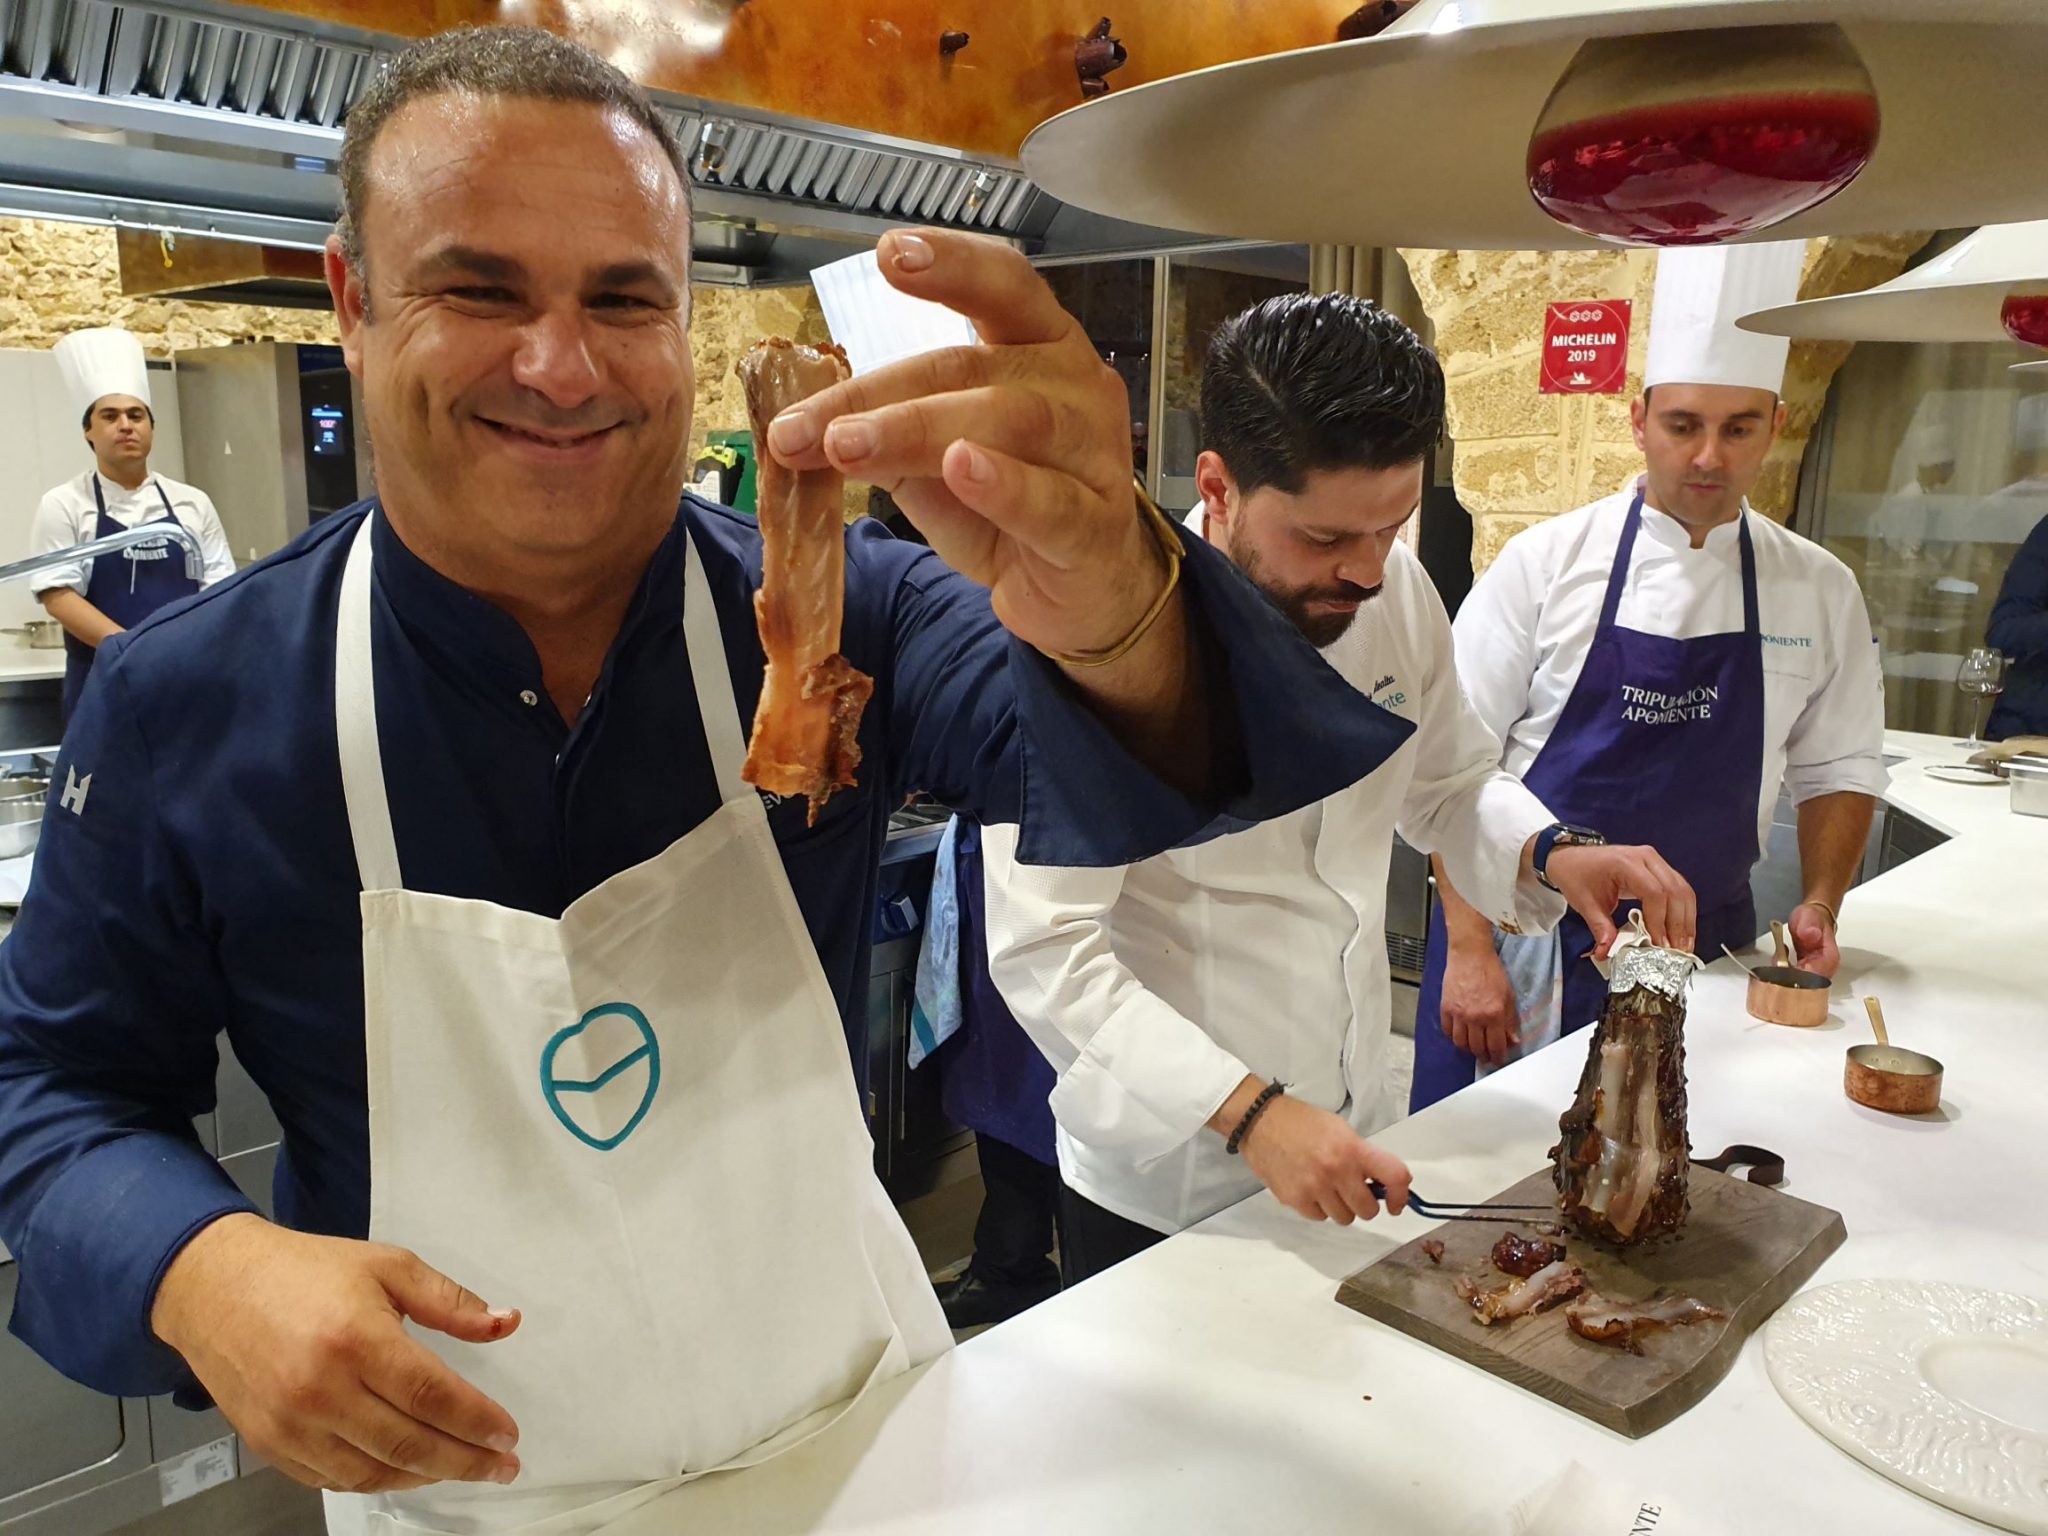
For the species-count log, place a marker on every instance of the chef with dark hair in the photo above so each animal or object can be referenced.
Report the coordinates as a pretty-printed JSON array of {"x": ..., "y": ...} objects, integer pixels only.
[{"x": 1218, "y": 1016}]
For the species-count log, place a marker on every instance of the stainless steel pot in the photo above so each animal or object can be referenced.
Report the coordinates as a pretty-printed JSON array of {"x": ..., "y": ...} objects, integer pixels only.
[
  {"x": 41, "y": 634},
  {"x": 2029, "y": 779},
  {"x": 22, "y": 800}
]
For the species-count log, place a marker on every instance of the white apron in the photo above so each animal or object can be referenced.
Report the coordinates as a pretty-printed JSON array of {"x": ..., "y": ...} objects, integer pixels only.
[{"x": 635, "y": 1124}]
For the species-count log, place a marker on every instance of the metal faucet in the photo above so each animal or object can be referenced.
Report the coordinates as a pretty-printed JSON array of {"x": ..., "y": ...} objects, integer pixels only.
[{"x": 141, "y": 533}]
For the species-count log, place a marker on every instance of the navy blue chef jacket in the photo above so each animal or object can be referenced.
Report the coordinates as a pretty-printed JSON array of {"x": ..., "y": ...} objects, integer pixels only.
[
  {"x": 2019, "y": 627},
  {"x": 196, "y": 873}
]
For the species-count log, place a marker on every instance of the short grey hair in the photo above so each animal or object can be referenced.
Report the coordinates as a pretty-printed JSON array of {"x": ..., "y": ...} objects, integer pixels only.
[{"x": 522, "y": 62}]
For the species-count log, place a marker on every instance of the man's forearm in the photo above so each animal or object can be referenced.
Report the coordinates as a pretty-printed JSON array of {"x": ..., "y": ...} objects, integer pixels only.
[
  {"x": 1465, "y": 925},
  {"x": 81, "y": 620},
  {"x": 1833, "y": 833}
]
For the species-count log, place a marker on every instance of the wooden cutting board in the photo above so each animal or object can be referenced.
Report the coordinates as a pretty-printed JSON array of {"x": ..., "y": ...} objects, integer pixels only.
[{"x": 1744, "y": 1249}]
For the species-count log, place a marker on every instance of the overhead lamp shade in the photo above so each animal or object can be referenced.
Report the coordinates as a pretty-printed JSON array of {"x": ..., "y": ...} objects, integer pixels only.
[
  {"x": 877, "y": 324},
  {"x": 1959, "y": 295},
  {"x": 1422, "y": 135}
]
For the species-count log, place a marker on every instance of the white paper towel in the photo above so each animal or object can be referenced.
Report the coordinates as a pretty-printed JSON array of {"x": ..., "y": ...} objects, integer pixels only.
[{"x": 878, "y": 325}]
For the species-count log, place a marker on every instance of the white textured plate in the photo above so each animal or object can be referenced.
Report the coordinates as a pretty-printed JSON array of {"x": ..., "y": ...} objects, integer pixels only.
[
  {"x": 1943, "y": 1388},
  {"x": 1962, "y": 773}
]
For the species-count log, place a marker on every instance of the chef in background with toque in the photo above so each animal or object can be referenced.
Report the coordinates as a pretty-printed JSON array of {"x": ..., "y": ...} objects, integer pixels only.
[
  {"x": 1656, "y": 666},
  {"x": 106, "y": 377}
]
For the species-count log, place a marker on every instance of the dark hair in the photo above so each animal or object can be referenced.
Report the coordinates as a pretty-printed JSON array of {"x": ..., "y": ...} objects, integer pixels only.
[
  {"x": 85, "y": 421},
  {"x": 1309, "y": 382},
  {"x": 485, "y": 61}
]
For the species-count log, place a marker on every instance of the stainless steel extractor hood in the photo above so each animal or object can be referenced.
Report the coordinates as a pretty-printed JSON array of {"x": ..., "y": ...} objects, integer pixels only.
[{"x": 202, "y": 117}]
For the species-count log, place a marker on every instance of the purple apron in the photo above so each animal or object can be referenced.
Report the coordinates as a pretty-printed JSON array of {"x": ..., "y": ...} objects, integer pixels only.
[
  {"x": 1661, "y": 742},
  {"x": 127, "y": 587}
]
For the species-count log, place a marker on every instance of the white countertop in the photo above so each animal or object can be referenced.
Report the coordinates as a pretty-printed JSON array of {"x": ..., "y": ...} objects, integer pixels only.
[
  {"x": 1213, "y": 1384},
  {"x": 24, "y": 664}
]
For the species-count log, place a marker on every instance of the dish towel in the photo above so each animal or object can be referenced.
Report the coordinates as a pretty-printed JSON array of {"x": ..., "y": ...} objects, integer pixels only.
[
  {"x": 1535, "y": 966},
  {"x": 935, "y": 1000}
]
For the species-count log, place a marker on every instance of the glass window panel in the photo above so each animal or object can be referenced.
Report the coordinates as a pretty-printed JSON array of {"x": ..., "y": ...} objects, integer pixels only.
[{"x": 1935, "y": 470}]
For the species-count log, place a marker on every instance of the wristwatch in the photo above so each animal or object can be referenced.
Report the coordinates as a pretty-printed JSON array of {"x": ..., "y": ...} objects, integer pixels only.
[{"x": 1559, "y": 835}]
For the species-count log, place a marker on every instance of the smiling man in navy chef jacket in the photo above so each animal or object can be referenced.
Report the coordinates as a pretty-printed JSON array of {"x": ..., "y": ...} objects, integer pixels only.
[{"x": 493, "y": 921}]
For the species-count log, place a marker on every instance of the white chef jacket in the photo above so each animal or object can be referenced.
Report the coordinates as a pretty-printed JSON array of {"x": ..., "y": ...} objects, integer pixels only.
[
  {"x": 1523, "y": 633},
  {"x": 1155, "y": 988},
  {"x": 67, "y": 515}
]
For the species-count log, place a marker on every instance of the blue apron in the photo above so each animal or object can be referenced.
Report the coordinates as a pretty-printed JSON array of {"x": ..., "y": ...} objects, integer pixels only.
[
  {"x": 127, "y": 587},
  {"x": 1676, "y": 762}
]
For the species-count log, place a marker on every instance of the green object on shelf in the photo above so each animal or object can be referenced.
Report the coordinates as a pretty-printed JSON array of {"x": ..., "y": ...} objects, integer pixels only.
[{"x": 742, "y": 442}]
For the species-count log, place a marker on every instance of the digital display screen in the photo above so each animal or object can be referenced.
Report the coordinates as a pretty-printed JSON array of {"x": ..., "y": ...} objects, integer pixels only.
[{"x": 330, "y": 430}]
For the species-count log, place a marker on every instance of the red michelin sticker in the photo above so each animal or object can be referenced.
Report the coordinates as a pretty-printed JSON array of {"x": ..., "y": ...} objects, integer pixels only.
[{"x": 1585, "y": 347}]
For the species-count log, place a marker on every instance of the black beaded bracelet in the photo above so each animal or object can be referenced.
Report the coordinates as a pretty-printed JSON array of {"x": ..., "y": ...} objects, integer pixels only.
[{"x": 1266, "y": 1096}]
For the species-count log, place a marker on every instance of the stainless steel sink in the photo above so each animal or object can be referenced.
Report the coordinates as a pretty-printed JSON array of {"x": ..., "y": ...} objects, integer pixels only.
[{"x": 22, "y": 801}]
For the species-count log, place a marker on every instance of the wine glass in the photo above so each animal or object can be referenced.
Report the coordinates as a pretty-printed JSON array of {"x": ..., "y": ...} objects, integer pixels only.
[{"x": 1982, "y": 675}]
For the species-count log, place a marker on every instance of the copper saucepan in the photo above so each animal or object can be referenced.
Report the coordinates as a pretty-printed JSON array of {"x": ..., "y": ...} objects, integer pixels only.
[
  {"x": 1783, "y": 993},
  {"x": 1882, "y": 1076}
]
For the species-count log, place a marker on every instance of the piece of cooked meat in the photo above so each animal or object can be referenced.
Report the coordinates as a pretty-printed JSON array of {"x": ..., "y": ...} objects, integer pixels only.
[
  {"x": 1523, "y": 1256},
  {"x": 1624, "y": 1324},
  {"x": 807, "y": 725},
  {"x": 1433, "y": 1250},
  {"x": 1518, "y": 1298},
  {"x": 1621, "y": 1159}
]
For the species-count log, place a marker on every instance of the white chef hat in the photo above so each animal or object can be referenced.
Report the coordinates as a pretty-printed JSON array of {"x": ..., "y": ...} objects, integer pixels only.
[
  {"x": 875, "y": 323},
  {"x": 100, "y": 362},
  {"x": 1930, "y": 442},
  {"x": 1701, "y": 292},
  {"x": 2030, "y": 422}
]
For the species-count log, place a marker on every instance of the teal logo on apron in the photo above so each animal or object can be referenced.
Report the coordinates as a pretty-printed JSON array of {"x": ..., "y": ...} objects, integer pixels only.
[{"x": 574, "y": 1100}]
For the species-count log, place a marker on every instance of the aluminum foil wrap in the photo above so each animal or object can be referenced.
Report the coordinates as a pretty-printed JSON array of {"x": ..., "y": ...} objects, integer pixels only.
[
  {"x": 1663, "y": 971},
  {"x": 1636, "y": 962}
]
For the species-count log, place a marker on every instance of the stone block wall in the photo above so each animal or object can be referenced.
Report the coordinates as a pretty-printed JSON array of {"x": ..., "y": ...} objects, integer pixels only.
[
  {"x": 1520, "y": 455},
  {"x": 57, "y": 278},
  {"x": 724, "y": 322}
]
